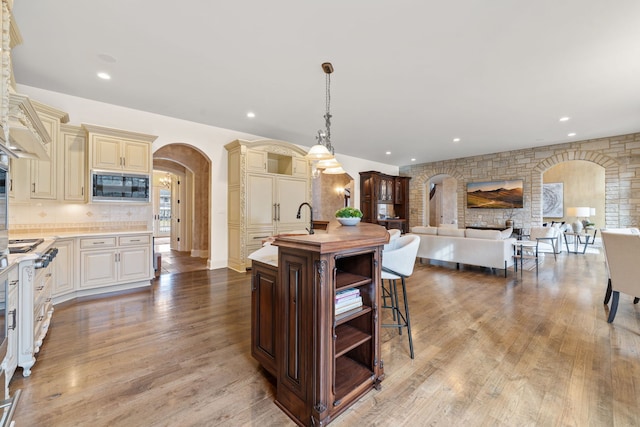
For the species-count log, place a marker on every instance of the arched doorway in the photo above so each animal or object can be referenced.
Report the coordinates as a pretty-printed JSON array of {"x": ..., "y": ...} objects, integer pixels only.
[
  {"x": 442, "y": 201},
  {"x": 190, "y": 197},
  {"x": 576, "y": 183}
]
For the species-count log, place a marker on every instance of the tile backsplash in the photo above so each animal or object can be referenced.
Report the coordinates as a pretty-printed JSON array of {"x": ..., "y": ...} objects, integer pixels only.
[{"x": 53, "y": 217}]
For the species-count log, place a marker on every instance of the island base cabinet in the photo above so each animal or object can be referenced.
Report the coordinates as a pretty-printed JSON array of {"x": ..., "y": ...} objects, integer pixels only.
[
  {"x": 325, "y": 362},
  {"x": 263, "y": 315}
]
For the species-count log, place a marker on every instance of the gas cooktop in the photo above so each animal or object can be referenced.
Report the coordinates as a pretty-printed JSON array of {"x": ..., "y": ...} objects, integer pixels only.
[{"x": 22, "y": 246}]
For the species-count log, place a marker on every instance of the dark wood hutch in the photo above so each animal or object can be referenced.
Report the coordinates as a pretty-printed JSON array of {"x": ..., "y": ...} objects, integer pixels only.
[
  {"x": 384, "y": 199},
  {"x": 322, "y": 362}
]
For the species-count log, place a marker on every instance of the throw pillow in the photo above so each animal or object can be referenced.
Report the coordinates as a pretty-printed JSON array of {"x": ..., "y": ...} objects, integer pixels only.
[{"x": 505, "y": 234}]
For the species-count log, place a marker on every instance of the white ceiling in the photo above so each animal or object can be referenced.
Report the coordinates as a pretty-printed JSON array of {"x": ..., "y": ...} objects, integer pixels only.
[{"x": 410, "y": 76}]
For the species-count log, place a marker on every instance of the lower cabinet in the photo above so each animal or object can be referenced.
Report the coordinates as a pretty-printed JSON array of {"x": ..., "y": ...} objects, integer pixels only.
[
  {"x": 113, "y": 260},
  {"x": 263, "y": 315},
  {"x": 64, "y": 273},
  {"x": 10, "y": 363},
  {"x": 35, "y": 309},
  {"x": 102, "y": 263}
]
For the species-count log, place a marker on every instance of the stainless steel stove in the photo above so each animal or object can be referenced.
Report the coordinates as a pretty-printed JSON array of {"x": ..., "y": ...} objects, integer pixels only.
[{"x": 23, "y": 246}]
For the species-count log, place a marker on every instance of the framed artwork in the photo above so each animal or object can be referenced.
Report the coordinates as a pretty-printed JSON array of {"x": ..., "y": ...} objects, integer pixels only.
[
  {"x": 553, "y": 200},
  {"x": 495, "y": 194}
]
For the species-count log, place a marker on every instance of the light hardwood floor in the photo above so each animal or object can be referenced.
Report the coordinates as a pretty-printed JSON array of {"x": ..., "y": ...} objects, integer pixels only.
[{"x": 490, "y": 351}]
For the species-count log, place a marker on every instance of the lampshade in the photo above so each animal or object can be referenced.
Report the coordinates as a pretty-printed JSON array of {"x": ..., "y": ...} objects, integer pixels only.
[
  {"x": 334, "y": 171},
  {"x": 319, "y": 152},
  {"x": 579, "y": 212},
  {"x": 331, "y": 163}
]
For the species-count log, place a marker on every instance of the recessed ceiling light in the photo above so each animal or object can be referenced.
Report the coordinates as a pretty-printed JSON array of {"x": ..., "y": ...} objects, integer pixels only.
[
  {"x": 251, "y": 114},
  {"x": 564, "y": 119},
  {"x": 571, "y": 134},
  {"x": 413, "y": 160},
  {"x": 104, "y": 76},
  {"x": 387, "y": 153},
  {"x": 456, "y": 139}
]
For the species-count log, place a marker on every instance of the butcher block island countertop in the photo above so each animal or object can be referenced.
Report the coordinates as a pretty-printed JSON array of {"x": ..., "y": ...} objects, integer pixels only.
[
  {"x": 323, "y": 362},
  {"x": 336, "y": 237}
]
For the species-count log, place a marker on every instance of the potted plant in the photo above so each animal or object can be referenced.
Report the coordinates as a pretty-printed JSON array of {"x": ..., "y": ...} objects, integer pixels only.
[{"x": 348, "y": 216}]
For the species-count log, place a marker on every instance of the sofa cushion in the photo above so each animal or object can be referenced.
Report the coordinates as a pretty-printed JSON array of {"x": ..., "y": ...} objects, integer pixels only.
[
  {"x": 424, "y": 230},
  {"x": 483, "y": 234},
  {"x": 455, "y": 232}
]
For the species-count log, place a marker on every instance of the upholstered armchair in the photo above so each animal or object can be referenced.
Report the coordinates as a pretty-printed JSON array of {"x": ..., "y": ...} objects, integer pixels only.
[{"x": 621, "y": 253}]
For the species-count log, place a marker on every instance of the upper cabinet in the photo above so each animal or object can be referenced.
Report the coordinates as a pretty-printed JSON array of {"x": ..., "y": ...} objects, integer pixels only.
[
  {"x": 72, "y": 153},
  {"x": 119, "y": 150},
  {"x": 35, "y": 174}
]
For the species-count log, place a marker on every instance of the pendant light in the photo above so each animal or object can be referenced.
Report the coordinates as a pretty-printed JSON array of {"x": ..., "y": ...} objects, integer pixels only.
[{"x": 322, "y": 154}]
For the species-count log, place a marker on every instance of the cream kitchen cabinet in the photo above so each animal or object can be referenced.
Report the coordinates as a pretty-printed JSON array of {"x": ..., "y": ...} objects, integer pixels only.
[
  {"x": 64, "y": 267},
  {"x": 37, "y": 179},
  {"x": 10, "y": 362},
  {"x": 119, "y": 150},
  {"x": 72, "y": 152},
  {"x": 114, "y": 260},
  {"x": 267, "y": 181}
]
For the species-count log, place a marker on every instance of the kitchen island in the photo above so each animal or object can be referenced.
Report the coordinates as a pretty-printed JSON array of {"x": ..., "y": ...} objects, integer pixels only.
[{"x": 322, "y": 361}]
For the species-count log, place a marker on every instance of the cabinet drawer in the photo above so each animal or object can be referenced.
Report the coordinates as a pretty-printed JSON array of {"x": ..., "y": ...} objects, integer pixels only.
[
  {"x": 97, "y": 242},
  {"x": 134, "y": 240}
]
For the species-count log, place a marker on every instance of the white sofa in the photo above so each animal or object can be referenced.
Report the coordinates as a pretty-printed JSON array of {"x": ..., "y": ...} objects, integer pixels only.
[{"x": 485, "y": 248}]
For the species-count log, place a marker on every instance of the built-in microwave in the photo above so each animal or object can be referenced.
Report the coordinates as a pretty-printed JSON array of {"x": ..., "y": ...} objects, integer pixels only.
[{"x": 119, "y": 187}]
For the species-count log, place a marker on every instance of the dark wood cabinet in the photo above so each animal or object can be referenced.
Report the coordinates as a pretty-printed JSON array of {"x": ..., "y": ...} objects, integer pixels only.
[
  {"x": 384, "y": 199},
  {"x": 324, "y": 361},
  {"x": 263, "y": 315}
]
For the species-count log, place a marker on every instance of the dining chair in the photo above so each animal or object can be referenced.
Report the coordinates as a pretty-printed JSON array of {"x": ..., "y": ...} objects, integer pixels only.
[{"x": 621, "y": 253}]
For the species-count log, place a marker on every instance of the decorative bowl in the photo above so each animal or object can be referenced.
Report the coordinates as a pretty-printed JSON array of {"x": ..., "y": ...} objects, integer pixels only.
[{"x": 348, "y": 221}]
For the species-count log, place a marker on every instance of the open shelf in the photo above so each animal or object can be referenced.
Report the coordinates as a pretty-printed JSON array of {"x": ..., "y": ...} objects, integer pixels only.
[
  {"x": 349, "y": 338},
  {"x": 352, "y": 314},
  {"x": 346, "y": 280},
  {"x": 349, "y": 375}
]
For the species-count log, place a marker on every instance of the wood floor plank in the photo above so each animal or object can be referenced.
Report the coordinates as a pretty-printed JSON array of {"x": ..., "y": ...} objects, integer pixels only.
[{"x": 489, "y": 351}]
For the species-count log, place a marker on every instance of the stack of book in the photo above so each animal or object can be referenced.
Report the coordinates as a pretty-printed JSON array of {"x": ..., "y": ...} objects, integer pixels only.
[{"x": 348, "y": 299}]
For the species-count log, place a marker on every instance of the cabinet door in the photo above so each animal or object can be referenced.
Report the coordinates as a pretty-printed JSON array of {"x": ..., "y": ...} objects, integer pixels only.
[
  {"x": 97, "y": 268},
  {"x": 135, "y": 156},
  {"x": 261, "y": 209},
  {"x": 64, "y": 267},
  {"x": 256, "y": 161},
  {"x": 43, "y": 172},
  {"x": 73, "y": 157},
  {"x": 105, "y": 153},
  {"x": 300, "y": 167},
  {"x": 134, "y": 264},
  {"x": 290, "y": 193},
  {"x": 295, "y": 336},
  {"x": 263, "y": 316},
  {"x": 11, "y": 359}
]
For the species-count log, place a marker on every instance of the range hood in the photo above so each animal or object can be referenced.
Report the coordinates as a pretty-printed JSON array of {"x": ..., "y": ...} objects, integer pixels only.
[{"x": 27, "y": 135}]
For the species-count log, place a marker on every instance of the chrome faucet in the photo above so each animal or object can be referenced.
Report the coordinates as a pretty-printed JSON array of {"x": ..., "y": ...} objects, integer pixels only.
[{"x": 310, "y": 229}]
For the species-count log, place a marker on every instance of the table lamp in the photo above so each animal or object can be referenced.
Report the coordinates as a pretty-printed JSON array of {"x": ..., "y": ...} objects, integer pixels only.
[{"x": 578, "y": 212}]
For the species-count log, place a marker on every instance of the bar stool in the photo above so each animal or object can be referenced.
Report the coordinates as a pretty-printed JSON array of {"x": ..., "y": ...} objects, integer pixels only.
[{"x": 398, "y": 263}]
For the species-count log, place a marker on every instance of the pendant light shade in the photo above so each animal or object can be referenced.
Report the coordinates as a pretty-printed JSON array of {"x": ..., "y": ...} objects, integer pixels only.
[
  {"x": 319, "y": 152},
  {"x": 330, "y": 163},
  {"x": 334, "y": 171}
]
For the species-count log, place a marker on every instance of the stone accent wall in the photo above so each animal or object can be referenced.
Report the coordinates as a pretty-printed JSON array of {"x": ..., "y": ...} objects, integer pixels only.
[{"x": 619, "y": 155}]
